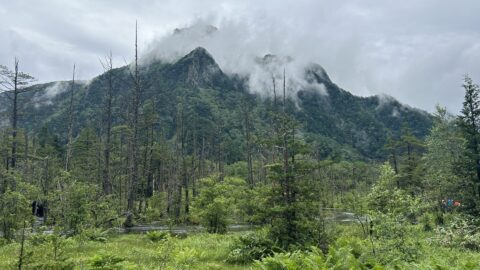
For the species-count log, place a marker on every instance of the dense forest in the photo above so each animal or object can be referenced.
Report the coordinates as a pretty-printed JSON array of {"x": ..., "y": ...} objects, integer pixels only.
[{"x": 177, "y": 165}]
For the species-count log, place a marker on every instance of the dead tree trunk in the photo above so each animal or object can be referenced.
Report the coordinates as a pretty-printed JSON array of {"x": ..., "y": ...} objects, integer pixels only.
[
  {"x": 133, "y": 153},
  {"x": 107, "y": 182},
  {"x": 14, "y": 117},
  {"x": 248, "y": 146},
  {"x": 70, "y": 124},
  {"x": 13, "y": 83}
]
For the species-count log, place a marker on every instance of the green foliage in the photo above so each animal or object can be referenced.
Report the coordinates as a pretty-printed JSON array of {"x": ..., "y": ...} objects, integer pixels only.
[
  {"x": 217, "y": 202},
  {"x": 50, "y": 250},
  {"x": 340, "y": 256},
  {"x": 297, "y": 260},
  {"x": 156, "y": 206},
  {"x": 392, "y": 213},
  {"x": 156, "y": 236},
  {"x": 252, "y": 246},
  {"x": 86, "y": 163},
  {"x": 106, "y": 261},
  {"x": 76, "y": 205},
  {"x": 185, "y": 258},
  {"x": 445, "y": 152},
  {"x": 14, "y": 210},
  {"x": 468, "y": 120},
  {"x": 94, "y": 234},
  {"x": 461, "y": 231}
]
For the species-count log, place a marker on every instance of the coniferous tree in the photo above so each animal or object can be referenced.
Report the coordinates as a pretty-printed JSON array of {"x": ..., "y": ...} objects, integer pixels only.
[
  {"x": 445, "y": 148},
  {"x": 470, "y": 120}
]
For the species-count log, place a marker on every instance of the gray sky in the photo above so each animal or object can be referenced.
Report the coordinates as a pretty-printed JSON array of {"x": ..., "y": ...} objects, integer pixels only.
[{"x": 416, "y": 51}]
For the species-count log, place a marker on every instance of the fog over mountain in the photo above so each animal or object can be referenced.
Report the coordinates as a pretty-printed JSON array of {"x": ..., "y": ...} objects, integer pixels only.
[{"x": 414, "y": 51}]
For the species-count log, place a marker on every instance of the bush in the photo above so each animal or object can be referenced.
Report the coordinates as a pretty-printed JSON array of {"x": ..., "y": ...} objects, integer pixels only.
[
  {"x": 428, "y": 221},
  {"x": 164, "y": 253},
  {"x": 156, "y": 207},
  {"x": 461, "y": 231},
  {"x": 186, "y": 258},
  {"x": 51, "y": 247},
  {"x": 252, "y": 246},
  {"x": 217, "y": 202},
  {"x": 14, "y": 210},
  {"x": 344, "y": 254},
  {"x": 156, "y": 236},
  {"x": 313, "y": 260},
  {"x": 95, "y": 234},
  {"x": 107, "y": 261}
]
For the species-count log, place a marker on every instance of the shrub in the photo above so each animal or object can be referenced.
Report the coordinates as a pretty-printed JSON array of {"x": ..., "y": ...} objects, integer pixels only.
[
  {"x": 95, "y": 234},
  {"x": 186, "y": 258},
  {"x": 106, "y": 261},
  {"x": 461, "y": 231},
  {"x": 14, "y": 210},
  {"x": 156, "y": 236},
  {"x": 164, "y": 253},
  {"x": 52, "y": 249},
  {"x": 156, "y": 207},
  {"x": 312, "y": 260},
  {"x": 217, "y": 202},
  {"x": 252, "y": 246},
  {"x": 428, "y": 221},
  {"x": 344, "y": 254}
]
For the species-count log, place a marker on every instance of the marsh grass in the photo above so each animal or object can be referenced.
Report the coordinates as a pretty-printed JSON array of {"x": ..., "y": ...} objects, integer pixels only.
[{"x": 197, "y": 251}]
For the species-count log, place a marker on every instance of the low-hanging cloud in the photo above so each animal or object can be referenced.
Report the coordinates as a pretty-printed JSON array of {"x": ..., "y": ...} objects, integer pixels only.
[
  {"x": 241, "y": 48},
  {"x": 416, "y": 51},
  {"x": 44, "y": 97}
]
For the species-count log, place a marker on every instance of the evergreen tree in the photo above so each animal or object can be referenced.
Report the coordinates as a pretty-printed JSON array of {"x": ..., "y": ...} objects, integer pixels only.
[
  {"x": 409, "y": 172},
  {"x": 444, "y": 152},
  {"x": 469, "y": 120}
]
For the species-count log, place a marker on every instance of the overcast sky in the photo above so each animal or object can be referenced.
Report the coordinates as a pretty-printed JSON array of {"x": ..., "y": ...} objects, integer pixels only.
[{"x": 416, "y": 51}]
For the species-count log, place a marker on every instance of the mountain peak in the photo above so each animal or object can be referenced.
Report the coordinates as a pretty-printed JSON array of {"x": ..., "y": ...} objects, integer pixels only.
[
  {"x": 200, "y": 52},
  {"x": 197, "y": 69},
  {"x": 316, "y": 73}
]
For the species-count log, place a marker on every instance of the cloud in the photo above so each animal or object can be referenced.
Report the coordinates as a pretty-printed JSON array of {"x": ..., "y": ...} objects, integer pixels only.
[
  {"x": 416, "y": 51},
  {"x": 44, "y": 98}
]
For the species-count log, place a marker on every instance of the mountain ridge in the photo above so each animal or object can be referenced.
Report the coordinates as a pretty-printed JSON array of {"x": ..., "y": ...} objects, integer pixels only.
[{"x": 328, "y": 114}]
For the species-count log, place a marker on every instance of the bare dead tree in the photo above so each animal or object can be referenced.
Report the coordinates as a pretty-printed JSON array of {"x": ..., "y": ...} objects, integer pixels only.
[
  {"x": 107, "y": 65},
  {"x": 70, "y": 123},
  {"x": 274, "y": 92},
  {"x": 248, "y": 142},
  {"x": 133, "y": 151},
  {"x": 13, "y": 83}
]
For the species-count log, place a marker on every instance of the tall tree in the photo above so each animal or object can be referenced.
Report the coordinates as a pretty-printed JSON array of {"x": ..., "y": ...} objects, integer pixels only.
[
  {"x": 133, "y": 144},
  {"x": 391, "y": 147},
  {"x": 70, "y": 123},
  {"x": 445, "y": 148},
  {"x": 469, "y": 120},
  {"x": 412, "y": 148},
  {"x": 292, "y": 214},
  {"x": 248, "y": 138},
  {"x": 14, "y": 82},
  {"x": 108, "y": 68}
]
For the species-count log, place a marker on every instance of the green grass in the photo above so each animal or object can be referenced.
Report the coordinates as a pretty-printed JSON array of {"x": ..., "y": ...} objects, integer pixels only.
[
  {"x": 206, "y": 251},
  {"x": 197, "y": 251}
]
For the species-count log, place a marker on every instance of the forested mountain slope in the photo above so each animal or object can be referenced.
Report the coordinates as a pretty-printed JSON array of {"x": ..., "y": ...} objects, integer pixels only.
[{"x": 213, "y": 105}]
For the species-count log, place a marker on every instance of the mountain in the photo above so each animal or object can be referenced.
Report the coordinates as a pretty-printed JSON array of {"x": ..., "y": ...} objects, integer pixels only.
[{"x": 333, "y": 121}]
